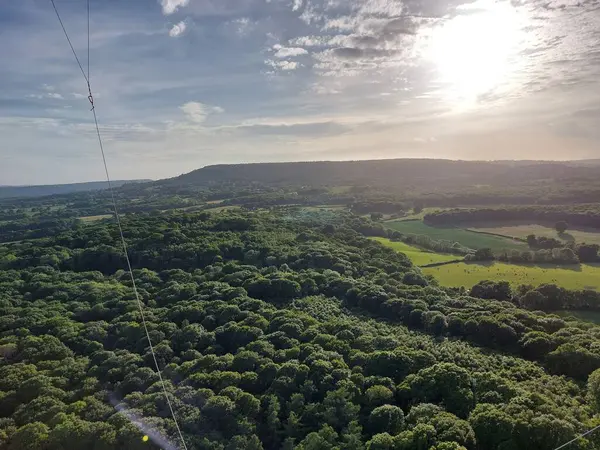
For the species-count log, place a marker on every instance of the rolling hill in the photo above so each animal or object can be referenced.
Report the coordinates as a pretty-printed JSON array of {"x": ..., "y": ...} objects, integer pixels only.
[{"x": 42, "y": 190}]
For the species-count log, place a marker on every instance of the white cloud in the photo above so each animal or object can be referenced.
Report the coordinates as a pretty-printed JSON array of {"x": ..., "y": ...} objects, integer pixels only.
[
  {"x": 382, "y": 7},
  {"x": 170, "y": 6},
  {"x": 198, "y": 112},
  {"x": 345, "y": 23},
  {"x": 52, "y": 95},
  {"x": 178, "y": 29},
  {"x": 243, "y": 26},
  {"x": 309, "y": 41},
  {"x": 297, "y": 5},
  {"x": 286, "y": 52},
  {"x": 310, "y": 15},
  {"x": 282, "y": 65}
]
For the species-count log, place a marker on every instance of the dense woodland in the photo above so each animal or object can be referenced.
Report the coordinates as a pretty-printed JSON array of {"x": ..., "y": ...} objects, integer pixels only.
[{"x": 274, "y": 330}]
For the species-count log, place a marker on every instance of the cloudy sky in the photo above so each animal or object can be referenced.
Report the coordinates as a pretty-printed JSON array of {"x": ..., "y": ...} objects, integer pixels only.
[{"x": 180, "y": 84}]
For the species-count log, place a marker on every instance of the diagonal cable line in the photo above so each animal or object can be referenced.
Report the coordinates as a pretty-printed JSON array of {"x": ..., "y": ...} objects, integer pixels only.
[
  {"x": 118, "y": 220},
  {"x": 88, "y": 40},
  {"x": 87, "y": 80},
  {"x": 139, "y": 302},
  {"x": 578, "y": 437}
]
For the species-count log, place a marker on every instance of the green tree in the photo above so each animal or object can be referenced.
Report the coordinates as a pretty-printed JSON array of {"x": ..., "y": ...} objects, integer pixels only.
[
  {"x": 378, "y": 395},
  {"x": 593, "y": 387},
  {"x": 443, "y": 383},
  {"x": 561, "y": 226},
  {"x": 33, "y": 436},
  {"x": 386, "y": 418}
]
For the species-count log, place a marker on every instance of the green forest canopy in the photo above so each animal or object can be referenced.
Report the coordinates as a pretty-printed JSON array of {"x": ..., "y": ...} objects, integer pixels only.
[{"x": 274, "y": 333}]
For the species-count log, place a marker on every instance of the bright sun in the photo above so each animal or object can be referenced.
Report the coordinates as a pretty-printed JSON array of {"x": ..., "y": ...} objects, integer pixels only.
[{"x": 477, "y": 51}]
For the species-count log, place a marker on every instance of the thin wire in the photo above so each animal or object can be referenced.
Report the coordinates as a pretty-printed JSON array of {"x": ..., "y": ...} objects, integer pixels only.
[
  {"x": 120, "y": 227},
  {"x": 139, "y": 302},
  {"x": 87, "y": 80},
  {"x": 88, "y": 39},
  {"x": 579, "y": 437}
]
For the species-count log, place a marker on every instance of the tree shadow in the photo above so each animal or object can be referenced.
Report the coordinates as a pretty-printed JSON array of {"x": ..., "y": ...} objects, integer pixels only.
[
  {"x": 481, "y": 263},
  {"x": 566, "y": 237},
  {"x": 573, "y": 267}
]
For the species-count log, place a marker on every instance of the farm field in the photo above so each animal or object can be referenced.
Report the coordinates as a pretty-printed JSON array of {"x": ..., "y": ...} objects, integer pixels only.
[
  {"x": 418, "y": 256},
  {"x": 464, "y": 237},
  {"x": 524, "y": 230},
  {"x": 463, "y": 274}
]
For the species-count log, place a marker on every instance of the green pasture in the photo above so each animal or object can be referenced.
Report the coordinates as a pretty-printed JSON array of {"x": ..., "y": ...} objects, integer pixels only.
[
  {"x": 464, "y": 237},
  {"x": 468, "y": 274},
  {"x": 523, "y": 230},
  {"x": 418, "y": 256}
]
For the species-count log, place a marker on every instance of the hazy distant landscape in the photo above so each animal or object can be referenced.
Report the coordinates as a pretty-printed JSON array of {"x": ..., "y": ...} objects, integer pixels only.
[
  {"x": 38, "y": 191},
  {"x": 394, "y": 304}
]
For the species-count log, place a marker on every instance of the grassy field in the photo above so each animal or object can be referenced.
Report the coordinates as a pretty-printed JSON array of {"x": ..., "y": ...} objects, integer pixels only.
[
  {"x": 522, "y": 231},
  {"x": 89, "y": 219},
  {"x": 418, "y": 256},
  {"x": 463, "y": 237},
  {"x": 462, "y": 274}
]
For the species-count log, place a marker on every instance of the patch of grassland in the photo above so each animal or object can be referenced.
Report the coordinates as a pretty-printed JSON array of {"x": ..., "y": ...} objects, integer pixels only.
[
  {"x": 89, "y": 219},
  {"x": 524, "y": 230},
  {"x": 469, "y": 274},
  {"x": 464, "y": 237},
  {"x": 418, "y": 256}
]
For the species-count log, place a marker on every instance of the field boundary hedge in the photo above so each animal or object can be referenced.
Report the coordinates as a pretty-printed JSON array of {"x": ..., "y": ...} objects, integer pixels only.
[
  {"x": 443, "y": 263},
  {"x": 496, "y": 234}
]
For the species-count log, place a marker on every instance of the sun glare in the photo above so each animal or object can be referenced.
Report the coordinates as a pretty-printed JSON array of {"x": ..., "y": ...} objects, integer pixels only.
[{"x": 476, "y": 52}]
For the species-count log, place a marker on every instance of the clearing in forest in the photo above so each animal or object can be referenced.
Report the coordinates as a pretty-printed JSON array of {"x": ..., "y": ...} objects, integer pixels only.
[
  {"x": 590, "y": 236},
  {"x": 464, "y": 237},
  {"x": 581, "y": 276},
  {"x": 88, "y": 219},
  {"x": 419, "y": 257}
]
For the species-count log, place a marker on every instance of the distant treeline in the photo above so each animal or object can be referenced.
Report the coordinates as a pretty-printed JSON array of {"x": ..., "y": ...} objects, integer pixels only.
[
  {"x": 42, "y": 190},
  {"x": 385, "y": 207},
  {"x": 546, "y": 297},
  {"x": 27, "y": 229},
  {"x": 584, "y": 216}
]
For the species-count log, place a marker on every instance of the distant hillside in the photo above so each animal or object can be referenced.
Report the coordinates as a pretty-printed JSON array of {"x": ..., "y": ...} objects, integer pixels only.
[
  {"x": 42, "y": 190},
  {"x": 404, "y": 173},
  {"x": 586, "y": 162}
]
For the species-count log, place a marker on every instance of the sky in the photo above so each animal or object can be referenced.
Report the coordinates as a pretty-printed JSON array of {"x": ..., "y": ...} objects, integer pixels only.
[{"x": 181, "y": 84}]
